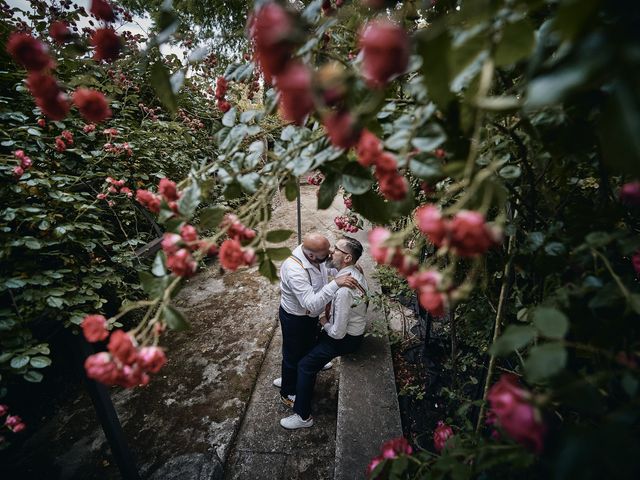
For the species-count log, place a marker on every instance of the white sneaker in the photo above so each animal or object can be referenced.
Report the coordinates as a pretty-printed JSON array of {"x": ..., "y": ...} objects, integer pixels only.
[
  {"x": 328, "y": 366},
  {"x": 288, "y": 400},
  {"x": 295, "y": 421},
  {"x": 277, "y": 382}
]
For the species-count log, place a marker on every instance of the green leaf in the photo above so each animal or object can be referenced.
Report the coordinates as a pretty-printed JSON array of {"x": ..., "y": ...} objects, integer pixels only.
[
  {"x": 291, "y": 189},
  {"x": 161, "y": 82},
  {"x": 277, "y": 236},
  {"x": 356, "y": 179},
  {"x": 328, "y": 190},
  {"x": 510, "y": 172},
  {"x": 268, "y": 270},
  {"x": 174, "y": 319},
  {"x": 544, "y": 361},
  {"x": 158, "y": 268},
  {"x": 34, "y": 132},
  {"x": 229, "y": 118},
  {"x": 55, "y": 302},
  {"x": 33, "y": 376},
  {"x": 634, "y": 302},
  {"x": 425, "y": 168},
  {"x": 516, "y": 43},
  {"x": 434, "y": 46},
  {"x": 19, "y": 361},
  {"x": 514, "y": 338},
  {"x": 152, "y": 286},
  {"x": 40, "y": 362},
  {"x": 211, "y": 217},
  {"x": 189, "y": 200},
  {"x": 598, "y": 239},
  {"x": 32, "y": 243},
  {"x": 372, "y": 207},
  {"x": 430, "y": 138},
  {"x": 552, "y": 323},
  {"x": 279, "y": 253}
]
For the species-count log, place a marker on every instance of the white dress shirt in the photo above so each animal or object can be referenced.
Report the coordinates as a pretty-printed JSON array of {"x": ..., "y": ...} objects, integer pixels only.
[
  {"x": 305, "y": 290},
  {"x": 349, "y": 308}
]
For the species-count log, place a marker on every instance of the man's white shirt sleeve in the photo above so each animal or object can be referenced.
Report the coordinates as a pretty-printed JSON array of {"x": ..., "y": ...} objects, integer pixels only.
[
  {"x": 298, "y": 281},
  {"x": 340, "y": 313}
]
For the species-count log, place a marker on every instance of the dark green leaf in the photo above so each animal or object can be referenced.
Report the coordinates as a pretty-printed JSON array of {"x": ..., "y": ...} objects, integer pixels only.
[
  {"x": 434, "y": 46},
  {"x": 544, "y": 361},
  {"x": 356, "y": 179},
  {"x": 552, "y": 323},
  {"x": 516, "y": 43},
  {"x": 279, "y": 253},
  {"x": 160, "y": 80},
  {"x": 268, "y": 269},
  {"x": 510, "y": 172},
  {"x": 372, "y": 207},
  {"x": 40, "y": 362},
  {"x": 277, "y": 236},
  {"x": 152, "y": 286},
  {"x": 291, "y": 189},
  {"x": 158, "y": 267},
  {"x": 189, "y": 200},
  {"x": 328, "y": 190},
  {"x": 430, "y": 138},
  {"x": 211, "y": 217},
  {"x": 425, "y": 167},
  {"x": 19, "y": 361},
  {"x": 514, "y": 338},
  {"x": 174, "y": 319},
  {"x": 33, "y": 376}
]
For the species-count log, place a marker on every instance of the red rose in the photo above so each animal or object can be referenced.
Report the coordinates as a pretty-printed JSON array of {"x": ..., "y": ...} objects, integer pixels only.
[
  {"x": 296, "y": 100},
  {"x": 102, "y": 368},
  {"x": 221, "y": 87},
  {"x": 168, "y": 189},
  {"x": 386, "y": 162},
  {"x": 102, "y": 10},
  {"x": 630, "y": 194},
  {"x": 392, "y": 185},
  {"x": 223, "y": 106},
  {"x": 18, "y": 171},
  {"x": 29, "y": 52},
  {"x": 431, "y": 224},
  {"x": 440, "y": 435},
  {"x": 151, "y": 359},
  {"x": 188, "y": 233},
  {"x": 182, "y": 263},
  {"x": 635, "y": 260},
  {"x": 49, "y": 97},
  {"x": 385, "y": 52},
  {"x": 341, "y": 129},
  {"x": 517, "y": 417},
  {"x": 231, "y": 255},
  {"x": 171, "y": 243},
  {"x": 426, "y": 283},
  {"x": 121, "y": 346},
  {"x": 92, "y": 105},
  {"x": 94, "y": 328},
  {"x": 271, "y": 29},
  {"x": 369, "y": 148},
  {"x": 470, "y": 235},
  {"x": 4, "y": 409},
  {"x": 376, "y": 238},
  {"x": 394, "y": 448},
  {"x": 106, "y": 43},
  {"x": 59, "y": 31}
]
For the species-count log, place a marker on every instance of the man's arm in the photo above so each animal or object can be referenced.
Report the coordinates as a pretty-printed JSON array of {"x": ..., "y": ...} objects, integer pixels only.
[
  {"x": 301, "y": 287},
  {"x": 341, "y": 308}
]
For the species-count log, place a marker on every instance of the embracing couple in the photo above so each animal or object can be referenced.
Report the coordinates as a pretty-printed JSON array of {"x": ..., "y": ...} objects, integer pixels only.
[{"x": 306, "y": 293}]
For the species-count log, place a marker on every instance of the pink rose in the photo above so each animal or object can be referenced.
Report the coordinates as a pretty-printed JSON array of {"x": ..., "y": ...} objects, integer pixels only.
[
  {"x": 470, "y": 236},
  {"x": 149, "y": 200},
  {"x": 188, "y": 233},
  {"x": 121, "y": 346},
  {"x": 385, "y": 52},
  {"x": 369, "y": 148},
  {"x": 430, "y": 222},
  {"x": 296, "y": 99},
  {"x": 271, "y": 29},
  {"x": 514, "y": 413},
  {"x": 94, "y": 328},
  {"x": 427, "y": 283},
  {"x": 377, "y": 237},
  {"x": 3, "y": 409},
  {"x": 182, "y": 263},
  {"x": 102, "y": 368},
  {"x": 151, "y": 359},
  {"x": 171, "y": 243},
  {"x": 231, "y": 255},
  {"x": 440, "y": 435},
  {"x": 630, "y": 194},
  {"x": 168, "y": 189},
  {"x": 341, "y": 129}
]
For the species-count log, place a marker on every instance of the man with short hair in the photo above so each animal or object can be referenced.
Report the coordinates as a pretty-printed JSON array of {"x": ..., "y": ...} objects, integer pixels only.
[
  {"x": 341, "y": 334},
  {"x": 305, "y": 290}
]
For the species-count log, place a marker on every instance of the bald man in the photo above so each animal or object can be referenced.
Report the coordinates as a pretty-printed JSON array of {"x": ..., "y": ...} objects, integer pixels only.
[{"x": 305, "y": 291}]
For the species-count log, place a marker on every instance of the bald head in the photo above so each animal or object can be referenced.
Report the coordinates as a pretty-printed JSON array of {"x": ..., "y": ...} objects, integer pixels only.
[
  {"x": 316, "y": 242},
  {"x": 315, "y": 247}
]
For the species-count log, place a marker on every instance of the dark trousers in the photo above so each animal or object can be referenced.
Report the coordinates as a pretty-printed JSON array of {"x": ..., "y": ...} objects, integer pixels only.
[
  {"x": 299, "y": 333},
  {"x": 308, "y": 368}
]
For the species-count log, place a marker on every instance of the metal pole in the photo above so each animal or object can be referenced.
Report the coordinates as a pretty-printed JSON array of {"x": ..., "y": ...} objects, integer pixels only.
[
  {"x": 298, "y": 208},
  {"x": 106, "y": 413}
]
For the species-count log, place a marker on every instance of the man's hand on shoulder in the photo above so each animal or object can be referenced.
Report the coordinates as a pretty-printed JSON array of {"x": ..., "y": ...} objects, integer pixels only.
[{"x": 346, "y": 281}]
